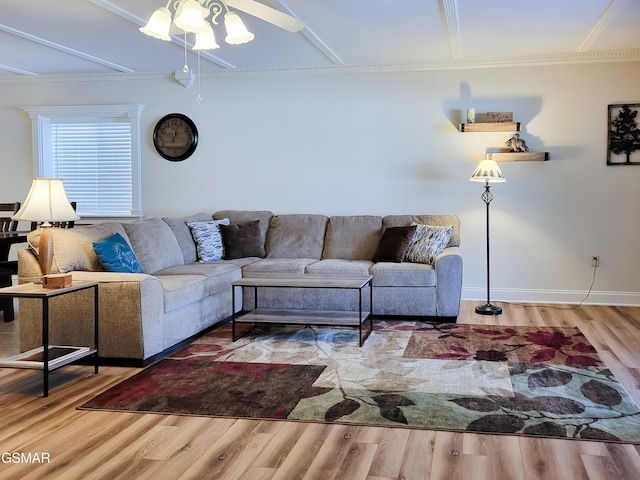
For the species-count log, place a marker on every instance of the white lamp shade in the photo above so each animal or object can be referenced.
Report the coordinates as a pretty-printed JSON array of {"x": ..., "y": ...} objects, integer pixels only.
[
  {"x": 488, "y": 171},
  {"x": 46, "y": 202},
  {"x": 237, "y": 33},
  {"x": 190, "y": 16},
  {"x": 205, "y": 39},
  {"x": 159, "y": 24}
]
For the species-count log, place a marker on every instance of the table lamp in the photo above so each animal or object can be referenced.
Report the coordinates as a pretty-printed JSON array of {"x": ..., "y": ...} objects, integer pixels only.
[
  {"x": 46, "y": 202},
  {"x": 488, "y": 172}
]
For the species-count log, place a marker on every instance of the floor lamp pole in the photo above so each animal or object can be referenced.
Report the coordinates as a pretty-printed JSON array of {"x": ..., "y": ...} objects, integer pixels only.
[{"x": 487, "y": 308}]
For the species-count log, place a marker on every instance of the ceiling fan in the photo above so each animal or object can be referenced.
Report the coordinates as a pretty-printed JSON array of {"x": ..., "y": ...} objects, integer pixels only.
[{"x": 191, "y": 17}]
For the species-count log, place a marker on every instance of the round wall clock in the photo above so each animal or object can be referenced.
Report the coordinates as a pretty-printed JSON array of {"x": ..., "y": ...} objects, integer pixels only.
[{"x": 175, "y": 137}]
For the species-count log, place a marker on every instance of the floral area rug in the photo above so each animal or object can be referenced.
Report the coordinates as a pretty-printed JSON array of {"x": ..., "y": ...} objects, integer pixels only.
[{"x": 536, "y": 381}]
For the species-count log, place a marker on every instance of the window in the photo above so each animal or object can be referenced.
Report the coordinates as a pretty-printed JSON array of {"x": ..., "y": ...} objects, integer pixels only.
[{"x": 96, "y": 151}]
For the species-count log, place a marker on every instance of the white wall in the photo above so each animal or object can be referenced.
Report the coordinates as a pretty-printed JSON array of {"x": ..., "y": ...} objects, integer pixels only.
[{"x": 384, "y": 143}]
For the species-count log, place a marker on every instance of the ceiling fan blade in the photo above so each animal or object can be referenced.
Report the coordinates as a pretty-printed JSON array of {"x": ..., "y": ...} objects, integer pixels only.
[{"x": 267, "y": 14}]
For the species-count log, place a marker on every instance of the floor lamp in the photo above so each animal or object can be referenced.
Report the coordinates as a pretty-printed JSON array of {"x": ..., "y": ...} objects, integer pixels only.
[{"x": 488, "y": 172}]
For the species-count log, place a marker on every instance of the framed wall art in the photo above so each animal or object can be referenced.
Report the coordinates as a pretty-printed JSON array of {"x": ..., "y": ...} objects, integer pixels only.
[{"x": 623, "y": 143}]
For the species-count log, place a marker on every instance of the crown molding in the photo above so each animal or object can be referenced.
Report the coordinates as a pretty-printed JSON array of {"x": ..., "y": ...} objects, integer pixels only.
[{"x": 566, "y": 58}]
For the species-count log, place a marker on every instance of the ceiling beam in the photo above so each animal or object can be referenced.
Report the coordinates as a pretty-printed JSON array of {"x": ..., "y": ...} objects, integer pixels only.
[
  {"x": 62, "y": 48},
  {"x": 614, "y": 8},
  {"x": 449, "y": 13},
  {"x": 314, "y": 39}
]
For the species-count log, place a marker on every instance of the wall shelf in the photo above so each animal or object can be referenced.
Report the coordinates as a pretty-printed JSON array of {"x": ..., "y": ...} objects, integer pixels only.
[
  {"x": 519, "y": 156},
  {"x": 490, "y": 127}
]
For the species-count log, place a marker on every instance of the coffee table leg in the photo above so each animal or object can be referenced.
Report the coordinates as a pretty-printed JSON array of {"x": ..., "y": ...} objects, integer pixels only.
[{"x": 233, "y": 313}]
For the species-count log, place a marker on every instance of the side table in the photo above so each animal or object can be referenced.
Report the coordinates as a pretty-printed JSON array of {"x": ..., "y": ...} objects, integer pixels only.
[{"x": 51, "y": 357}]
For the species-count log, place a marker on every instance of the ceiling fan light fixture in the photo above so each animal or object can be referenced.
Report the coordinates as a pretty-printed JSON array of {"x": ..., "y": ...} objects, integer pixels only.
[
  {"x": 190, "y": 16},
  {"x": 237, "y": 33},
  {"x": 205, "y": 39},
  {"x": 158, "y": 25}
]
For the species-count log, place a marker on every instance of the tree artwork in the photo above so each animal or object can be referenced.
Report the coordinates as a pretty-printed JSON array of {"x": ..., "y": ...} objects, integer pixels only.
[{"x": 624, "y": 135}]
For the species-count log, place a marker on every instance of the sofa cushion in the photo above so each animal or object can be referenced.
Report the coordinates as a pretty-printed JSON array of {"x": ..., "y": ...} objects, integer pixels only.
[
  {"x": 394, "y": 244},
  {"x": 277, "y": 266},
  {"x": 183, "y": 234},
  {"x": 352, "y": 237},
  {"x": 154, "y": 244},
  {"x": 208, "y": 239},
  {"x": 427, "y": 243},
  {"x": 73, "y": 247},
  {"x": 115, "y": 255},
  {"x": 219, "y": 275},
  {"x": 444, "y": 220},
  {"x": 242, "y": 240},
  {"x": 334, "y": 266},
  {"x": 387, "y": 274},
  {"x": 296, "y": 236},
  {"x": 240, "y": 216},
  {"x": 181, "y": 290}
]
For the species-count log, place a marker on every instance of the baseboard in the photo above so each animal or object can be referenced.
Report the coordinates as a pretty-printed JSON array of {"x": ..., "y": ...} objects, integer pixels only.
[{"x": 553, "y": 296}]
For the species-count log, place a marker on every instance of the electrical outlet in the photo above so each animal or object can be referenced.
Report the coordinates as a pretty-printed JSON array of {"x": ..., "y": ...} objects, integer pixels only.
[{"x": 595, "y": 261}]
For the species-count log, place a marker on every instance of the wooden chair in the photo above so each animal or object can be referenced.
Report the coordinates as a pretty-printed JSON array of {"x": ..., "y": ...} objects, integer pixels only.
[
  {"x": 7, "y": 268},
  {"x": 7, "y": 210}
]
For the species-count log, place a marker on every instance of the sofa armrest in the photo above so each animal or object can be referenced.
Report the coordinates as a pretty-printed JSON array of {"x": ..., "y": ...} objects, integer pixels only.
[
  {"x": 448, "y": 267},
  {"x": 131, "y": 308}
]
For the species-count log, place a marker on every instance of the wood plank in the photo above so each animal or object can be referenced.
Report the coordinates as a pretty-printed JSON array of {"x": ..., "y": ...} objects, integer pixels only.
[
  {"x": 306, "y": 281},
  {"x": 150, "y": 446},
  {"x": 490, "y": 127},
  {"x": 303, "y": 317}
]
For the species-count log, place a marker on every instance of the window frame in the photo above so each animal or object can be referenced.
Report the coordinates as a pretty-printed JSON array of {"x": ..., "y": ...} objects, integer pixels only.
[{"x": 42, "y": 116}]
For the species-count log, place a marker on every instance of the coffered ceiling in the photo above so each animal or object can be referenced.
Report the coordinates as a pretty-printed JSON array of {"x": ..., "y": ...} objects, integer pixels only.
[{"x": 101, "y": 37}]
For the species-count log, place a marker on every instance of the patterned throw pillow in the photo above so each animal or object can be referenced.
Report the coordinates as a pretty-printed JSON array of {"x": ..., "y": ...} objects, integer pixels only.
[
  {"x": 116, "y": 255},
  {"x": 208, "y": 239},
  {"x": 427, "y": 243}
]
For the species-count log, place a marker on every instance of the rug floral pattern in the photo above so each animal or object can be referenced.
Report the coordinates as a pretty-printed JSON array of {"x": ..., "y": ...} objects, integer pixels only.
[{"x": 515, "y": 380}]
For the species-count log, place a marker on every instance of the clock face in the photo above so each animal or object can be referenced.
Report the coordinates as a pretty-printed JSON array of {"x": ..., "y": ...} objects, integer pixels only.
[{"x": 175, "y": 137}]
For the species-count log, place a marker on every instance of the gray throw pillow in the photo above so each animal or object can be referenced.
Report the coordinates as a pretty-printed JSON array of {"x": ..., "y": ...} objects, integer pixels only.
[
  {"x": 428, "y": 242},
  {"x": 208, "y": 239}
]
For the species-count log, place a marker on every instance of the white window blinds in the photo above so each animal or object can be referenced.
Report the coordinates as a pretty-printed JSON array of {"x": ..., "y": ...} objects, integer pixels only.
[
  {"x": 96, "y": 151},
  {"x": 94, "y": 161}
]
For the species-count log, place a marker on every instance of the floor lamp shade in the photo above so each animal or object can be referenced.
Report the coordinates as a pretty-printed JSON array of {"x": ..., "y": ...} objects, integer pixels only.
[
  {"x": 46, "y": 202},
  {"x": 488, "y": 172}
]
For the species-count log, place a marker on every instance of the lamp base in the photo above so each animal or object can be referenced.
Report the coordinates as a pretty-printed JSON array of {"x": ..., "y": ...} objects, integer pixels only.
[{"x": 488, "y": 309}]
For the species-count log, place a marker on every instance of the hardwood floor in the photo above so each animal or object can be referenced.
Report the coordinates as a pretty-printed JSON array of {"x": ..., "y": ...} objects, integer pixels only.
[{"x": 103, "y": 445}]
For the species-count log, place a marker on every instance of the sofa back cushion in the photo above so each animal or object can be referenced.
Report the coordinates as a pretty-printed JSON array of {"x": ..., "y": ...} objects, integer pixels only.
[
  {"x": 441, "y": 220},
  {"x": 183, "y": 234},
  {"x": 73, "y": 247},
  {"x": 353, "y": 237},
  {"x": 154, "y": 244},
  {"x": 296, "y": 236}
]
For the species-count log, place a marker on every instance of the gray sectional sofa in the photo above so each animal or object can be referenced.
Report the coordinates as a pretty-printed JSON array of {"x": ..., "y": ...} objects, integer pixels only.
[{"x": 143, "y": 316}]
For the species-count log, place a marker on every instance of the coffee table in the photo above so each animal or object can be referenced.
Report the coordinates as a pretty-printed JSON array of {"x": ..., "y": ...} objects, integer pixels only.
[{"x": 305, "y": 317}]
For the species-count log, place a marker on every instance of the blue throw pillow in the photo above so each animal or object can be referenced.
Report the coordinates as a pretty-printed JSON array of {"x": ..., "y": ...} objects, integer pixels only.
[{"x": 116, "y": 255}]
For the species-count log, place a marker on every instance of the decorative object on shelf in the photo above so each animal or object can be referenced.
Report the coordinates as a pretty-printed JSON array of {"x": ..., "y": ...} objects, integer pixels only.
[
  {"x": 175, "y": 137},
  {"x": 488, "y": 172},
  {"x": 46, "y": 202},
  {"x": 191, "y": 17},
  {"x": 516, "y": 144},
  {"x": 471, "y": 115},
  {"x": 623, "y": 135},
  {"x": 499, "y": 117}
]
